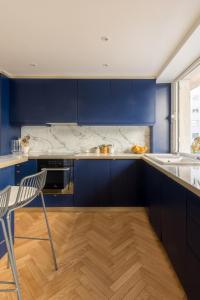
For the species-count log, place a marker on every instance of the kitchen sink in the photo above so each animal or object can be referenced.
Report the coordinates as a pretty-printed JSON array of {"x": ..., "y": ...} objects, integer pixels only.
[{"x": 173, "y": 159}]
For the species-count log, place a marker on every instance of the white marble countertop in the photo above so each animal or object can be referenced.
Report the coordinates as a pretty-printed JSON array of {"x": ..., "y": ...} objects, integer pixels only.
[
  {"x": 55, "y": 155},
  {"x": 11, "y": 160},
  {"x": 186, "y": 175}
]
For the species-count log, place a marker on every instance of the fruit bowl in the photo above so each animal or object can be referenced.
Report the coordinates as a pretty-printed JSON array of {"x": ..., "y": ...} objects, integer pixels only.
[{"x": 139, "y": 149}]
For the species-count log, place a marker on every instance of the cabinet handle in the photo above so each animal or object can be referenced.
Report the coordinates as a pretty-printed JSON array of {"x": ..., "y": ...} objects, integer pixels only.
[{"x": 17, "y": 171}]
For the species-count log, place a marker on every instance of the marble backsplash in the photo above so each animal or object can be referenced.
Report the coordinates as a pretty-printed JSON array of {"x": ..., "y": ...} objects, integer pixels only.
[{"x": 75, "y": 139}]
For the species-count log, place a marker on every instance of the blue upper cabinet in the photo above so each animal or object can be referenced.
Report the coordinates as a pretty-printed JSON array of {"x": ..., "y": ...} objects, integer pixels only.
[
  {"x": 39, "y": 101},
  {"x": 143, "y": 106},
  {"x": 116, "y": 102},
  {"x": 85, "y": 101},
  {"x": 94, "y": 102}
]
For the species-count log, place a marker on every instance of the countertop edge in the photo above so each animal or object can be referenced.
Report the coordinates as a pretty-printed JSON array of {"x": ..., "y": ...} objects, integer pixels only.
[
  {"x": 87, "y": 156},
  {"x": 11, "y": 161}
]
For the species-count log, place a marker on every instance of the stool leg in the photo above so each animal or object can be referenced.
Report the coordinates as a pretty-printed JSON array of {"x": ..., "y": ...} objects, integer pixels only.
[
  {"x": 8, "y": 261},
  {"x": 12, "y": 261},
  {"x": 49, "y": 232},
  {"x": 12, "y": 257}
]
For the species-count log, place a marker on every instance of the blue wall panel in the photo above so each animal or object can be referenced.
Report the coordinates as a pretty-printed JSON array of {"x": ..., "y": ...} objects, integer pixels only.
[
  {"x": 160, "y": 132},
  {"x": 7, "y": 131}
]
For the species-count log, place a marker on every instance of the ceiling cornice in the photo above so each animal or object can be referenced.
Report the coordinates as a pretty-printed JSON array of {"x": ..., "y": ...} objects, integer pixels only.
[{"x": 179, "y": 46}]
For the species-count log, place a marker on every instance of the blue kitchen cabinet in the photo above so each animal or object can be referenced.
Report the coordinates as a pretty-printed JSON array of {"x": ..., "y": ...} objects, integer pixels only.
[
  {"x": 107, "y": 183},
  {"x": 123, "y": 109},
  {"x": 116, "y": 102},
  {"x": 92, "y": 183},
  {"x": 144, "y": 95},
  {"x": 125, "y": 183},
  {"x": 94, "y": 102},
  {"x": 152, "y": 195},
  {"x": 174, "y": 224},
  {"x": 160, "y": 132},
  {"x": 25, "y": 169},
  {"x": 40, "y": 101},
  {"x": 193, "y": 247},
  {"x": 7, "y": 177}
]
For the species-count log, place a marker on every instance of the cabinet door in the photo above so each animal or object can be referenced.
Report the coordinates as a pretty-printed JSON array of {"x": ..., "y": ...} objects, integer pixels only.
[
  {"x": 94, "y": 102},
  {"x": 152, "y": 179},
  {"x": 174, "y": 224},
  {"x": 116, "y": 102},
  {"x": 123, "y": 103},
  {"x": 193, "y": 247},
  {"x": 25, "y": 169},
  {"x": 39, "y": 101},
  {"x": 7, "y": 176},
  {"x": 144, "y": 92},
  {"x": 125, "y": 183},
  {"x": 92, "y": 183}
]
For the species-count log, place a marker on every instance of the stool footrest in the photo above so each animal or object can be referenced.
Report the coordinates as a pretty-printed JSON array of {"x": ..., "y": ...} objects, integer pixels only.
[
  {"x": 7, "y": 282},
  {"x": 8, "y": 290},
  {"x": 31, "y": 238}
]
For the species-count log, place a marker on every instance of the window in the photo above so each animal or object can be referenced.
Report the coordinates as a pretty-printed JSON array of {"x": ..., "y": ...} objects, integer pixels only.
[
  {"x": 186, "y": 114},
  {"x": 195, "y": 112}
]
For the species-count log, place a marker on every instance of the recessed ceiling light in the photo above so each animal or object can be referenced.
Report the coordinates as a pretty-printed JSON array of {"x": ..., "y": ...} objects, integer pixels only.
[
  {"x": 105, "y": 65},
  {"x": 104, "y": 38},
  {"x": 33, "y": 65}
]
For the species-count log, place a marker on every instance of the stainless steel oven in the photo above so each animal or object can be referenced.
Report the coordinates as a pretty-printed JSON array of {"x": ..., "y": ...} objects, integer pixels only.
[{"x": 59, "y": 175}]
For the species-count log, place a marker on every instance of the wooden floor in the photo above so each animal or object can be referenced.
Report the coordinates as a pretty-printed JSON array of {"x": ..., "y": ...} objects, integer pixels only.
[{"x": 102, "y": 254}]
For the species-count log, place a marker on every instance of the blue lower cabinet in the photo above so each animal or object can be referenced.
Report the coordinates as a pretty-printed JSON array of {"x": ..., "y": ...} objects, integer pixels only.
[
  {"x": 54, "y": 200},
  {"x": 152, "y": 194},
  {"x": 7, "y": 177},
  {"x": 193, "y": 247},
  {"x": 107, "y": 183},
  {"x": 174, "y": 224},
  {"x": 92, "y": 183},
  {"x": 26, "y": 169},
  {"x": 125, "y": 183}
]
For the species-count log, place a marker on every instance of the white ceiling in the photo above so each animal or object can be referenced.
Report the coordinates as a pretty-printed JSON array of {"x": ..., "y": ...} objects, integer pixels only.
[{"x": 63, "y": 37}]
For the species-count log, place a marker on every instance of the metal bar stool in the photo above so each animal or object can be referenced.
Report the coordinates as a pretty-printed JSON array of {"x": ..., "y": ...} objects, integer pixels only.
[
  {"x": 4, "y": 204},
  {"x": 30, "y": 187}
]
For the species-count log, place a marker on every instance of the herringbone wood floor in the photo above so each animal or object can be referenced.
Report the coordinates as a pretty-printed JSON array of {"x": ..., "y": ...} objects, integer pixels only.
[{"x": 102, "y": 254}]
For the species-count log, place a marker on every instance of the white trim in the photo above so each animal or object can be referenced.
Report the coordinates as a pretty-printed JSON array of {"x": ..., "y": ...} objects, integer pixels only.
[
  {"x": 81, "y": 76},
  {"x": 188, "y": 70},
  {"x": 174, "y": 117},
  {"x": 5, "y": 73}
]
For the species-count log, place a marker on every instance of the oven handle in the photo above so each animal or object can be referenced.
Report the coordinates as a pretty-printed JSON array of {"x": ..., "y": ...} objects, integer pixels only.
[{"x": 56, "y": 169}]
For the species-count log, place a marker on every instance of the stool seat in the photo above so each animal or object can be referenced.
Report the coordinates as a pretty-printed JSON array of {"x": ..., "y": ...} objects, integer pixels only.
[{"x": 27, "y": 192}]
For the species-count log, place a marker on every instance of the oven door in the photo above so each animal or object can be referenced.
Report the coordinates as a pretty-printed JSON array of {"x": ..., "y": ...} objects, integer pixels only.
[
  {"x": 59, "y": 176},
  {"x": 59, "y": 181}
]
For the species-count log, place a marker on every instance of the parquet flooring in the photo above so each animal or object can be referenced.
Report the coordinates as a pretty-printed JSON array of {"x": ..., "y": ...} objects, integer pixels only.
[{"x": 102, "y": 254}]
